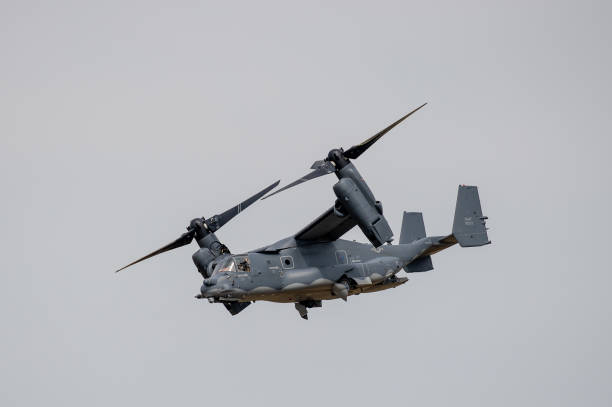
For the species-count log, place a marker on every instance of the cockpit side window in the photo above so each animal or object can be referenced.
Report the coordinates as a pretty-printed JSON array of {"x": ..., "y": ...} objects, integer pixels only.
[{"x": 243, "y": 264}]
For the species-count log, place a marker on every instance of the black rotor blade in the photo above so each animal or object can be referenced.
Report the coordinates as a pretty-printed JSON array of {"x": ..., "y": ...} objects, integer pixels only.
[
  {"x": 324, "y": 167},
  {"x": 215, "y": 222},
  {"x": 320, "y": 168},
  {"x": 184, "y": 240},
  {"x": 359, "y": 149}
]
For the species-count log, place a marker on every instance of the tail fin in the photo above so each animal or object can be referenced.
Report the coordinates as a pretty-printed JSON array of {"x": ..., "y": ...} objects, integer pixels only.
[
  {"x": 469, "y": 226},
  {"x": 413, "y": 228}
]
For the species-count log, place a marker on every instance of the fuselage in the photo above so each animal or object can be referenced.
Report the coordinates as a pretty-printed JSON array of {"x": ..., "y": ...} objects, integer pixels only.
[{"x": 289, "y": 272}]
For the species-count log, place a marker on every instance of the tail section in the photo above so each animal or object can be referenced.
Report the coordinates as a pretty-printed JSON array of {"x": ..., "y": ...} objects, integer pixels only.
[
  {"x": 469, "y": 226},
  {"x": 469, "y": 230},
  {"x": 413, "y": 228}
]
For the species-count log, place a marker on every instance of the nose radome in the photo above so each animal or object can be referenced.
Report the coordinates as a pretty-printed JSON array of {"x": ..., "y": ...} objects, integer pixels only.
[{"x": 207, "y": 285}]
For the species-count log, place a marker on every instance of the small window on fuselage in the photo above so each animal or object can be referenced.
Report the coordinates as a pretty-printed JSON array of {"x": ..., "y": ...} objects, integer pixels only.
[
  {"x": 287, "y": 262},
  {"x": 341, "y": 257}
]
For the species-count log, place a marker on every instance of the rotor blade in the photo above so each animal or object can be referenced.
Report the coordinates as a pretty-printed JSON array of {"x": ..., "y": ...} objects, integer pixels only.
[
  {"x": 320, "y": 170},
  {"x": 215, "y": 222},
  {"x": 359, "y": 149},
  {"x": 184, "y": 240},
  {"x": 323, "y": 165}
]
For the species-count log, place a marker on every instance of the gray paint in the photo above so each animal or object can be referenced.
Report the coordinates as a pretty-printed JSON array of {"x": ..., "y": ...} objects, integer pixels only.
[
  {"x": 308, "y": 272},
  {"x": 313, "y": 265}
]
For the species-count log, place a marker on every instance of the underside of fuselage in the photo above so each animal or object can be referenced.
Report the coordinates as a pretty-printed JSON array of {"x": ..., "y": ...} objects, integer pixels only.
[{"x": 324, "y": 292}]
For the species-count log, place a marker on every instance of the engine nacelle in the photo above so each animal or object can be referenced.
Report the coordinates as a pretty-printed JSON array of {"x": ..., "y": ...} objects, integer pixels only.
[
  {"x": 202, "y": 258},
  {"x": 365, "y": 211},
  {"x": 350, "y": 171}
]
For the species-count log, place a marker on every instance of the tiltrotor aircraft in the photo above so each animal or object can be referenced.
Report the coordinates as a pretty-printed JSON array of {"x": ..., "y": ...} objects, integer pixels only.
[{"x": 315, "y": 264}]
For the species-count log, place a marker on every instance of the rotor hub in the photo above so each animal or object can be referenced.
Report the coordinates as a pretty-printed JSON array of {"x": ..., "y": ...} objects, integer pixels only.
[
  {"x": 337, "y": 157},
  {"x": 198, "y": 226}
]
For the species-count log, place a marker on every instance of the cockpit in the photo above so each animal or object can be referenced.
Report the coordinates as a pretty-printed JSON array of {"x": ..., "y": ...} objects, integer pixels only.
[{"x": 233, "y": 264}]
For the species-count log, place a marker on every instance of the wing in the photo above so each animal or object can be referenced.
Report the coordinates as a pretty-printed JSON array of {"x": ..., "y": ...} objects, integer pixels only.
[{"x": 326, "y": 228}]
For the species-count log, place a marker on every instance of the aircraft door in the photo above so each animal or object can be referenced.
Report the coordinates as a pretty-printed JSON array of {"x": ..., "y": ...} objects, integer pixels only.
[{"x": 272, "y": 272}]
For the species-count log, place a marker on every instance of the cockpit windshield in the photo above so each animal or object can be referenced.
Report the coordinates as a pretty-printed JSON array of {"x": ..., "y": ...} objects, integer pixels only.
[
  {"x": 227, "y": 265},
  {"x": 233, "y": 264}
]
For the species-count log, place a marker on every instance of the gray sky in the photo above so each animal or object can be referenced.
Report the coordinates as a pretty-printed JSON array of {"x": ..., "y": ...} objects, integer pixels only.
[{"x": 121, "y": 121}]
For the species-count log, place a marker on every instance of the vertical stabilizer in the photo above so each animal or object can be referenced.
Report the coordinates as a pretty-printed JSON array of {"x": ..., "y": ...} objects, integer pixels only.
[
  {"x": 469, "y": 227},
  {"x": 413, "y": 228}
]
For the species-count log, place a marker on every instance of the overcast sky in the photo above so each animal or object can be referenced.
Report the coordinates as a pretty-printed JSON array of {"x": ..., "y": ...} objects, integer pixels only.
[{"x": 122, "y": 120}]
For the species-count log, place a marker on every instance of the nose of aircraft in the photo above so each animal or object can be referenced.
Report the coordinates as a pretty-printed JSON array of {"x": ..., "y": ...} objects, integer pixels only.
[
  {"x": 207, "y": 286},
  {"x": 213, "y": 287}
]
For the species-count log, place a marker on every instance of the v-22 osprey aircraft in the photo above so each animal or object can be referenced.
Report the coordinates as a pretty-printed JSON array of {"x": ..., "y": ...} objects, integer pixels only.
[{"x": 315, "y": 264}]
